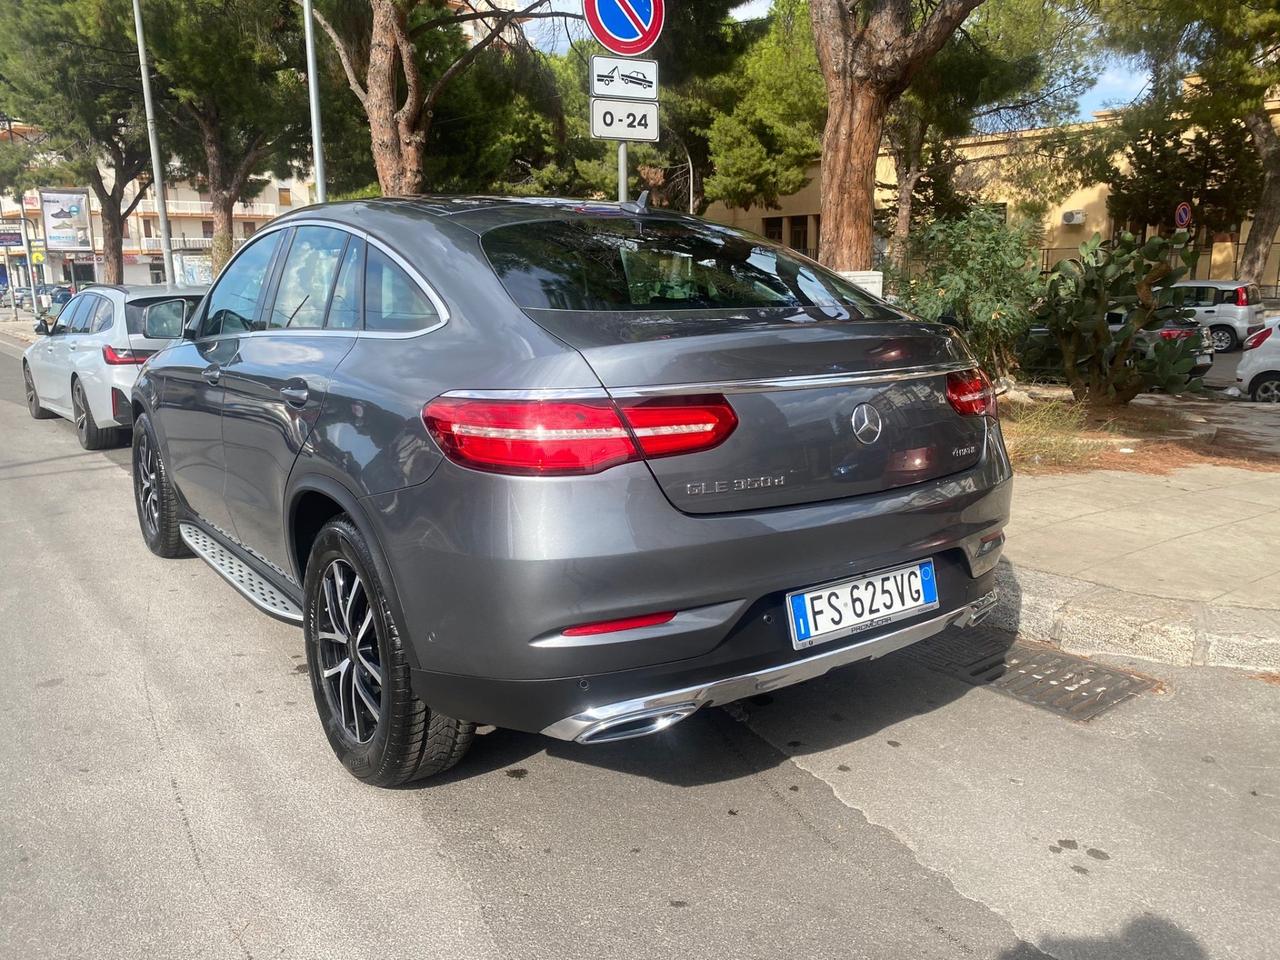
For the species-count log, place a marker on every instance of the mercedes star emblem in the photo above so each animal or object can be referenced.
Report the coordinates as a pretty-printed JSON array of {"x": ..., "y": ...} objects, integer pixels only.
[{"x": 866, "y": 423}]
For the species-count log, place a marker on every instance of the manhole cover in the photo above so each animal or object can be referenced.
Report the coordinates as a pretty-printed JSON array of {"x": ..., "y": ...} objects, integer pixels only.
[{"x": 1066, "y": 685}]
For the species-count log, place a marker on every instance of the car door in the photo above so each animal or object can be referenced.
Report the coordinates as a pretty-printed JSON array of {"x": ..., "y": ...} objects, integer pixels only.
[
  {"x": 56, "y": 388},
  {"x": 276, "y": 384},
  {"x": 189, "y": 410}
]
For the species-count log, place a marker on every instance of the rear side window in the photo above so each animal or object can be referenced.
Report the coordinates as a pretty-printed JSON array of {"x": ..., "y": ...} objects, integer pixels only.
[
  {"x": 619, "y": 264},
  {"x": 344, "y": 310},
  {"x": 67, "y": 315},
  {"x": 307, "y": 279},
  {"x": 233, "y": 304},
  {"x": 102, "y": 316},
  {"x": 393, "y": 302},
  {"x": 84, "y": 315}
]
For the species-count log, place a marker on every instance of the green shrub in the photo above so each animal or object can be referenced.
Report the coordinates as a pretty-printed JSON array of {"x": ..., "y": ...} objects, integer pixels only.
[{"x": 977, "y": 272}]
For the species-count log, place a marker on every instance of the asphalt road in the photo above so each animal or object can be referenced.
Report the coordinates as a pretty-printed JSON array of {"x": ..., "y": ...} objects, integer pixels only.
[{"x": 167, "y": 792}]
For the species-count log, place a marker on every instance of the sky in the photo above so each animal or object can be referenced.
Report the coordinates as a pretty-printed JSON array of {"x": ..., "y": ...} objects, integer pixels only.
[{"x": 1117, "y": 85}]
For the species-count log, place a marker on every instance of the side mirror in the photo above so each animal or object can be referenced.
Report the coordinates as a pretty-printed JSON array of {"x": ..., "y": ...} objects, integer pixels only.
[
  {"x": 41, "y": 328},
  {"x": 165, "y": 320}
]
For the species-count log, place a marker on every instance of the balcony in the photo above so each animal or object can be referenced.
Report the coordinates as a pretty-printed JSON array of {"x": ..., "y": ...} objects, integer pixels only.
[
  {"x": 204, "y": 208},
  {"x": 152, "y": 244}
]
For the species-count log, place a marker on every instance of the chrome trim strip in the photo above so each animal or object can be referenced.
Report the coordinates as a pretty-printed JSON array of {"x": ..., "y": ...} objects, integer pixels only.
[
  {"x": 594, "y": 725},
  {"x": 769, "y": 385},
  {"x": 575, "y": 393}
]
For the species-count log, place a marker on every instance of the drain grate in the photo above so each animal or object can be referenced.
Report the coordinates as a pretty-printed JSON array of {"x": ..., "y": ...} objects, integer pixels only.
[{"x": 1058, "y": 682}]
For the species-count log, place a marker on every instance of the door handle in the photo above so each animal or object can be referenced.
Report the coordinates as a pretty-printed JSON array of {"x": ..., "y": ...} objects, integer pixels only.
[
  {"x": 295, "y": 394},
  {"x": 212, "y": 374},
  {"x": 1211, "y": 311}
]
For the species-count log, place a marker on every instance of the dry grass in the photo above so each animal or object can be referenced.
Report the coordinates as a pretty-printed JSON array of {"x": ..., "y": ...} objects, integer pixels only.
[
  {"x": 1271, "y": 678},
  {"x": 1055, "y": 435}
]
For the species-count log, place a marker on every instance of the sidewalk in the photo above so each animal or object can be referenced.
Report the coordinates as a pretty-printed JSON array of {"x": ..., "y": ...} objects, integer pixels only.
[
  {"x": 20, "y": 329},
  {"x": 1183, "y": 568}
]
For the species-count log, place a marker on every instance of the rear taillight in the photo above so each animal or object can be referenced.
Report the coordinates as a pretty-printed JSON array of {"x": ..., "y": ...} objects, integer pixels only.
[
  {"x": 120, "y": 358},
  {"x": 1259, "y": 338},
  {"x": 970, "y": 393},
  {"x": 1177, "y": 334},
  {"x": 1242, "y": 296},
  {"x": 566, "y": 437}
]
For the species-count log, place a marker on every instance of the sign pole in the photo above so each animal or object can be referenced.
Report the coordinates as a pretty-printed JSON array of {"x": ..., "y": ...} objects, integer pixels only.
[
  {"x": 157, "y": 164},
  {"x": 313, "y": 96},
  {"x": 622, "y": 171},
  {"x": 13, "y": 287},
  {"x": 31, "y": 267}
]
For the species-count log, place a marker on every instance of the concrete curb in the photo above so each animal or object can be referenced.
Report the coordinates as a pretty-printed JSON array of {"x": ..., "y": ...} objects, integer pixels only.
[{"x": 1082, "y": 617}]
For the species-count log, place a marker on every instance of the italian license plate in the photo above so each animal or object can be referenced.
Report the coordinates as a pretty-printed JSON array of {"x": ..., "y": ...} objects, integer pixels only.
[{"x": 863, "y": 603}]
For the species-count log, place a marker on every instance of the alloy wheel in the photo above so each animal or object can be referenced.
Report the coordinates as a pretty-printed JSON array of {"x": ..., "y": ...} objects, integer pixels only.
[
  {"x": 350, "y": 661},
  {"x": 145, "y": 468},
  {"x": 1268, "y": 392},
  {"x": 1221, "y": 339},
  {"x": 81, "y": 409},
  {"x": 31, "y": 388}
]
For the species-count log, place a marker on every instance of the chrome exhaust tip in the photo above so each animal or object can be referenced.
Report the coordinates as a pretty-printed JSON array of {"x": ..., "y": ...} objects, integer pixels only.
[{"x": 641, "y": 724}]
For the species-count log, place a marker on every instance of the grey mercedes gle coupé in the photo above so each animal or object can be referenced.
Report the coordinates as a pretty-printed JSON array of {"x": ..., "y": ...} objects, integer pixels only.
[{"x": 562, "y": 466}]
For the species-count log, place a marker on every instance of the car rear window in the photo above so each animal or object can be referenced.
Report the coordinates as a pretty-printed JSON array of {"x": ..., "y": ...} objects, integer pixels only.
[{"x": 617, "y": 264}]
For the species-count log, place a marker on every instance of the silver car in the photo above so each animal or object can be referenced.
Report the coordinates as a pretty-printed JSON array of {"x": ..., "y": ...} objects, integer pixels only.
[
  {"x": 85, "y": 363},
  {"x": 1231, "y": 310}
]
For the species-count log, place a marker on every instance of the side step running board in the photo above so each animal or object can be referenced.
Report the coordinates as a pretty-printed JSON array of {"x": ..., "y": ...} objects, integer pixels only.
[{"x": 256, "y": 588}]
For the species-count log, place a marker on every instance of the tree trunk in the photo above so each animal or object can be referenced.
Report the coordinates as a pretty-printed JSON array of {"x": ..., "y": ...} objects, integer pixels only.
[
  {"x": 908, "y": 177},
  {"x": 1266, "y": 219},
  {"x": 112, "y": 240},
  {"x": 396, "y": 143},
  {"x": 224, "y": 202},
  {"x": 850, "y": 149}
]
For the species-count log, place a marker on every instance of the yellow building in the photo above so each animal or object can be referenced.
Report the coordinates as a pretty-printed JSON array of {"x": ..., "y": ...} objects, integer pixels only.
[{"x": 797, "y": 221}]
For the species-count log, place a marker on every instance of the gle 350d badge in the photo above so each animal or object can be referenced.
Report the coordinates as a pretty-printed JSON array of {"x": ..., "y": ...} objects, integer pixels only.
[{"x": 734, "y": 486}]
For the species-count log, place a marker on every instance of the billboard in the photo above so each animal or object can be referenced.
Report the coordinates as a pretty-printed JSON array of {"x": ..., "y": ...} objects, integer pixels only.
[
  {"x": 10, "y": 235},
  {"x": 66, "y": 219}
]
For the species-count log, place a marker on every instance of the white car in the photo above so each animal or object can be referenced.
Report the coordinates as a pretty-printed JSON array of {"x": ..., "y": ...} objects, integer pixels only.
[
  {"x": 1258, "y": 373},
  {"x": 1231, "y": 310},
  {"x": 84, "y": 366}
]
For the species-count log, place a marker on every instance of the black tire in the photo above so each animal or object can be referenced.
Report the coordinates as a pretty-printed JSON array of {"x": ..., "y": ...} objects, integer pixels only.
[
  {"x": 90, "y": 435},
  {"x": 1223, "y": 338},
  {"x": 154, "y": 496},
  {"x": 407, "y": 740},
  {"x": 33, "y": 397},
  {"x": 1265, "y": 388}
]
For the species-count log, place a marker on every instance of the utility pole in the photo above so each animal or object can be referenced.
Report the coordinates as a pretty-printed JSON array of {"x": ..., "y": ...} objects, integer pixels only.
[
  {"x": 622, "y": 171},
  {"x": 157, "y": 163},
  {"x": 313, "y": 94},
  {"x": 31, "y": 267}
]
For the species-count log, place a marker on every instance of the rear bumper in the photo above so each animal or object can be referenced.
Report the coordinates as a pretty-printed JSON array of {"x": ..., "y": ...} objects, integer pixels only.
[{"x": 657, "y": 711}]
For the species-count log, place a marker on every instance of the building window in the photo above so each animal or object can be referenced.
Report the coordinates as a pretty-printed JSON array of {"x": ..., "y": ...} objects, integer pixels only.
[
  {"x": 286, "y": 198},
  {"x": 800, "y": 233},
  {"x": 249, "y": 228},
  {"x": 773, "y": 228},
  {"x": 206, "y": 229},
  {"x": 146, "y": 228},
  {"x": 125, "y": 230}
]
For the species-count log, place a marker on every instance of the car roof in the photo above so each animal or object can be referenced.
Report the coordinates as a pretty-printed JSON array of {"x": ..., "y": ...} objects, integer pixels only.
[
  {"x": 476, "y": 213},
  {"x": 1219, "y": 284}
]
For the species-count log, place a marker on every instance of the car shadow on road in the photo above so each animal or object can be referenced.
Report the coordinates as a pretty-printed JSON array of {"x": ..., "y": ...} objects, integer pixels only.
[{"x": 1147, "y": 936}]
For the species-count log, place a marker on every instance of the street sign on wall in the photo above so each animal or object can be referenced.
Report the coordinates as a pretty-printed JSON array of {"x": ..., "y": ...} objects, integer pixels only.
[
  {"x": 624, "y": 79},
  {"x": 625, "y": 27},
  {"x": 624, "y": 120}
]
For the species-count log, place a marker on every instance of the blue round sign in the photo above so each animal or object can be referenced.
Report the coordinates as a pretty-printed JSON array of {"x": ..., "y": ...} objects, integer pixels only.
[
  {"x": 1182, "y": 216},
  {"x": 625, "y": 27}
]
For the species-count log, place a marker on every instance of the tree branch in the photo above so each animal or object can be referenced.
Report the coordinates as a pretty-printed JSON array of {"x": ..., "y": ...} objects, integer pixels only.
[
  {"x": 137, "y": 199},
  {"x": 460, "y": 18},
  {"x": 343, "y": 51},
  {"x": 467, "y": 58},
  {"x": 929, "y": 39}
]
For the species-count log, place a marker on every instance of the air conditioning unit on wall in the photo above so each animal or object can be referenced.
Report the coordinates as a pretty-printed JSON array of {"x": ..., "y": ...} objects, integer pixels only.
[{"x": 1073, "y": 218}]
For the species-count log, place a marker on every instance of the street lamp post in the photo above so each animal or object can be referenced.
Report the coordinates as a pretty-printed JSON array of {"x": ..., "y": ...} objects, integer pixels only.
[
  {"x": 31, "y": 267},
  {"x": 313, "y": 95},
  {"x": 157, "y": 164}
]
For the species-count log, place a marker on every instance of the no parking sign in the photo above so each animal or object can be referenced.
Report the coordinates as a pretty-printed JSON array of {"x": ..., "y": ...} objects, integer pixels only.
[{"x": 625, "y": 27}]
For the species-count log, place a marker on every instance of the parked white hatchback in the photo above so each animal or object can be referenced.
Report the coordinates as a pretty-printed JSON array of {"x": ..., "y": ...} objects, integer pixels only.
[
  {"x": 1230, "y": 310},
  {"x": 84, "y": 366},
  {"x": 1258, "y": 373}
]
